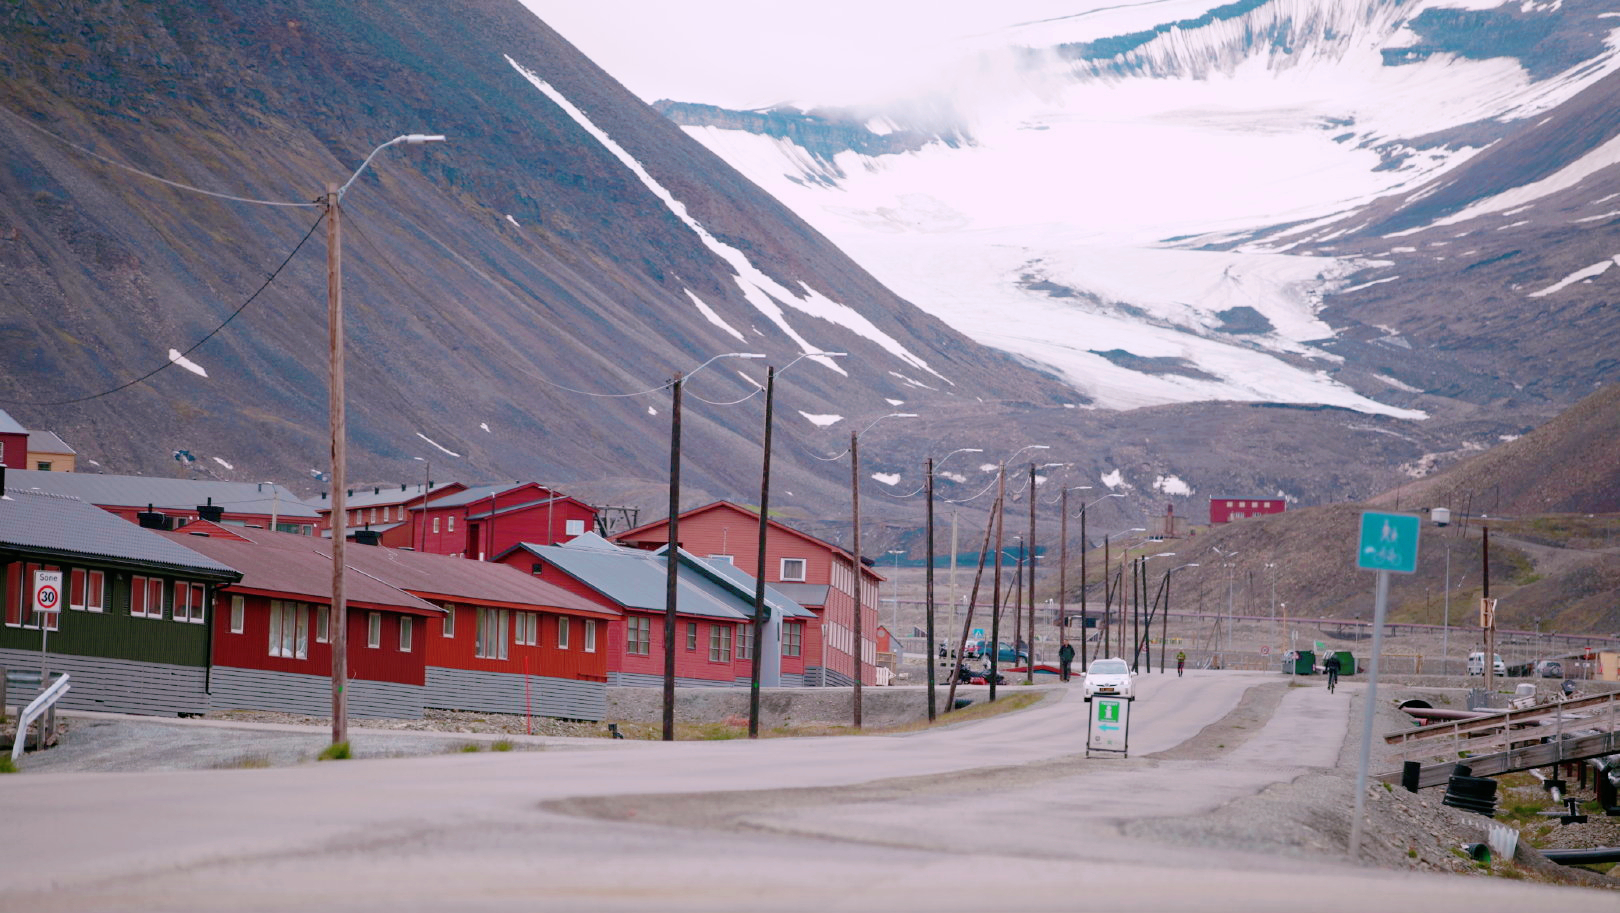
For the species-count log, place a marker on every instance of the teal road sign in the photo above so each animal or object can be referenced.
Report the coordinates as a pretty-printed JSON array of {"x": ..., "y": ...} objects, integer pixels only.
[{"x": 1389, "y": 542}]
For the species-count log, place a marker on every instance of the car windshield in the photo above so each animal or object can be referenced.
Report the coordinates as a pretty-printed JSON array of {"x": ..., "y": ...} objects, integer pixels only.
[{"x": 1108, "y": 667}]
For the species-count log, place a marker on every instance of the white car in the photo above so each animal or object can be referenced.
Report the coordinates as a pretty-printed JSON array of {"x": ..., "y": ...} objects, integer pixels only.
[
  {"x": 1109, "y": 677},
  {"x": 1476, "y": 665}
]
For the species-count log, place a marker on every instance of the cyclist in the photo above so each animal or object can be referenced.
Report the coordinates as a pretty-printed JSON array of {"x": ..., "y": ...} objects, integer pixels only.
[{"x": 1331, "y": 667}]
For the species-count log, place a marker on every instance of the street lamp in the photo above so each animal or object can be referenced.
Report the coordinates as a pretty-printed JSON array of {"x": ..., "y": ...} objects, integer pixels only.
[
  {"x": 928, "y": 596},
  {"x": 336, "y": 418},
  {"x": 855, "y": 563},
  {"x": 757, "y": 668}
]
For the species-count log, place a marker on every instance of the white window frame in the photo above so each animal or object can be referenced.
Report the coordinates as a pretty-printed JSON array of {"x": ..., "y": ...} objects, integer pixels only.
[
  {"x": 638, "y": 633},
  {"x": 449, "y": 621},
  {"x": 804, "y": 569},
  {"x": 526, "y": 629},
  {"x": 323, "y": 624},
  {"x": 691, "y": 637},
  {"x": 562, "y": 632},
  {"x": 238, "y": 614},
  {"x": 729, "y": 559},
  {"x": 573, "y": 527},
  {"x": 289, "y": 629},
  {"x": 745, "y": 640},
  {"x": 406, "y": 624},
  {"x": 91, "y": 581},
  {"x": 435, "y": 525},
  {"x": 374, "y": 630},
  {"x": 450, "y": 523},
  {"x": 792, "y": 638},
  {"x": 720, "y": 643},
  {"x": 491, "y": 634},
  {"x": 590, "y": 635}
]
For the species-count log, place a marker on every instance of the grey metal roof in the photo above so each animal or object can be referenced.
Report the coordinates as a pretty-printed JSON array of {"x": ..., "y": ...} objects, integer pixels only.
[
  {"x": 375, "y": 495},
  {"x": 47, "y": 442},
  {"x": 475, "y": 493},
  {"x": 742, "y": 583},
  {"x": 56, "y": 523},
  {"x": 636, "y": 579},
  {"x": 8, "y": 425},
  {"x": 174, "y": 494},
  {"x": 805, "y": 593}
]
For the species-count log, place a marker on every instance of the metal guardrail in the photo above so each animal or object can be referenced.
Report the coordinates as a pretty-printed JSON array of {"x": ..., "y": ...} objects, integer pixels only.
[{"x": 44, "y": 702}]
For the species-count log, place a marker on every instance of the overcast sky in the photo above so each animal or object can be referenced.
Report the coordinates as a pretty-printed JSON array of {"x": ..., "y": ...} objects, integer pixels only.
[{"x": 749, "y": 53}]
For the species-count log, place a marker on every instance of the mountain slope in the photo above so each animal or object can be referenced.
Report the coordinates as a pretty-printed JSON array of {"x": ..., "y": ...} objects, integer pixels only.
[{"x": 482, "y": 276}]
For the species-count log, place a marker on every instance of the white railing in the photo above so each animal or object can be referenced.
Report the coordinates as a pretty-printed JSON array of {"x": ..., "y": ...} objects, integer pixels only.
[{"x": 36, "y": 708}]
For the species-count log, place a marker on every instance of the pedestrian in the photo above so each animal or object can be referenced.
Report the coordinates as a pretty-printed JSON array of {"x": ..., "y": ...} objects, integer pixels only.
[
  {"x": 1066, "y": 658},
  {"x": 1181, "y": 662},
  {"x": 1331, "y": 667}
]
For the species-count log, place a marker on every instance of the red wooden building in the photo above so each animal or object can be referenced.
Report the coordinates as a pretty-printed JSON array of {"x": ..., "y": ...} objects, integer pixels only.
[
  {"x": 383, "y": 507},
  {"x": 509, "y": 642},
  {"x": 1225, "y": 510},
  {"x": 812, "y": 572},
  {"x": 13, "y": 443},
  {"x": 487, "y": 520},
  {"x": 272, "y": 633},
  {"x": 714, "y": 609}
]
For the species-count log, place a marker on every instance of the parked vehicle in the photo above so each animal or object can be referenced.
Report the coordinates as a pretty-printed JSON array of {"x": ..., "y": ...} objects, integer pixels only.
[
  {"x": 1109, "y": 677},
  {"x": 1007, "y": 656},
  {"x": 1476, "y": 664},
  {"x": 1550, "y": 668}
]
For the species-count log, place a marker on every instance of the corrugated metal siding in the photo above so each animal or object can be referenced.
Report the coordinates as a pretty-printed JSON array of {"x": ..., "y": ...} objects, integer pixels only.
[
  {"x": 657, "y": 681},
  {"x": 290, "y": 692},
  {"x": 835, "y": 679},
  {"x": 793, "y": 680},
  {"x": 498, "y": 692},
  {"x": 117, "y": 685}
]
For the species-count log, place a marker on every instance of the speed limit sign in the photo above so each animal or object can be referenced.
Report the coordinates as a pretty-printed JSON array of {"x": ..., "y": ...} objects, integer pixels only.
[
  {"x": 47, "y": 592},
  {"x": 1265, "y": 649}
]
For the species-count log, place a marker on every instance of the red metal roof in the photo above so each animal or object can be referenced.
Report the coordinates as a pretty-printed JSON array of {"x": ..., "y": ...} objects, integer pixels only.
[{"x": 753, "y": 515}]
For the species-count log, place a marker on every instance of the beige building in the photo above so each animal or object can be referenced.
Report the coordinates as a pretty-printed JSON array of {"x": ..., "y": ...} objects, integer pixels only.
[{"x": 50, "y": 453}]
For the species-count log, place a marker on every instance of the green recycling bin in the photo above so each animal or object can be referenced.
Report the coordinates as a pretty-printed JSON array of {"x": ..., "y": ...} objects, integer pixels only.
[
  {"x": 1304, "y": 662},
  {"x": 1347, "y": 663}
]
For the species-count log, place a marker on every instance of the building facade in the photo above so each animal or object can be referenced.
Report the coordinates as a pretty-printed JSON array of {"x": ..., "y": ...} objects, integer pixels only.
[{"x": 1226, "y": 510}]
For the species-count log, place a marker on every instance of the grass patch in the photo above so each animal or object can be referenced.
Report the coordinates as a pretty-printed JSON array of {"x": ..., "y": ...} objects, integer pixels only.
[
  {"x": 245, "y": 762},
  {"x": 737, "y": 727},
  {"x": 337, "y": 751},
  {"x": 470, "y": 747},
  {"x": 501, "y": 745},
  {"x": 7, "y": 766}
]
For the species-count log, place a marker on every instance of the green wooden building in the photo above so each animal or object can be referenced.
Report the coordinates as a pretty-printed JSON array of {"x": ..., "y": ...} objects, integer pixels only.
[{"x": 135, "y": 627}]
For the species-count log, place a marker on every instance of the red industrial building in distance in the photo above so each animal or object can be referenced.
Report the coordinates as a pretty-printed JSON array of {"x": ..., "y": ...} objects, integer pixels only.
[{"x": 1225, "y": 510}]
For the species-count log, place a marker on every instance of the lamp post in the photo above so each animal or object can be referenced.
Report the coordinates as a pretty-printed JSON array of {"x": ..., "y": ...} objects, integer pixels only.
[
  {"x": 337, "y": 423},
  {"x": 1229, "y": 565},
  {"x": 757, "y": 668},
  {"x": 855, "y": 562},
  {"x": 928, "y": 596},
  {"x": 1272, "y": 637},
  {"x": 672, "y": 556}
]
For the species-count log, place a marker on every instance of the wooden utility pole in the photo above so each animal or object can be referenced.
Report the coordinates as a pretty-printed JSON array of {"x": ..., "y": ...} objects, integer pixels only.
[
  {"x": 1487, "y": 615},
  {"x": 928, "y": 591},
  {"x": 1085, "y": 581},
  {"x": 855, "y": 502},
  {"x": 995, "y": 584},
  {"x": 672, "y": 557},
  {"x": 759, "y": 572},
  {"x": 1063, "y": 572},
  {"x": 337, "y": 626},
  {"x": 967, "y": 623},
  {"x": 1029, "y": 678}
]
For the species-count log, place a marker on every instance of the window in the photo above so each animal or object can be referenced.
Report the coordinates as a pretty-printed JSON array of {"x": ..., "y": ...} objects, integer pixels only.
[
  {"x": 450, "y": 523},
  {"x": 590, "y": 635},
  {"x": 723, "y": 558},
  {"x": 527, "y": 629},
  {"x": 562, "y": 633},
  {"x": 435, "y": 524},
  {"x": 374, "y": 630},
  {"x": 574, "y": 528},
  {"x": 20, "y": 601},
  {"x": 323, "y": 623},
  {"x": 239, "y": 614},
  {"x": 89, "y": 590},
  {"x": 691, "y": 635},
  {"x": 145, "y": 597},
  {"x": 720, "y": 643},
  {"x": 638, "y": 636},
  {"x": 289, "y": 629},
  {"x": 405, "y": 625},
  {"x": 374, "y": 515},
  {"x": 792, "y": 638},
  {"x": 745, "y": 640},
  {"x": 793, "y": 569},
  {"x": 188, "y": 602},
  {"x": 43, "y": 465},
  {"x": 449, "y": 620},
  {"x": 491, "y": 634}
]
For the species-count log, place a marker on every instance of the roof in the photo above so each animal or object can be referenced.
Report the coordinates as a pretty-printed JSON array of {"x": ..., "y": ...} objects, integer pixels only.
[
  {"x": 8, "y": 425},
  {"x": 431, "y": 576},
  {"x": 173, "y": 494},
  {"x": 300, "y": 572},
  {"x": 68, "y": 528},
  {"x": 47, "y": 442},
  {"x": 776, "y": 600},
  {"x": 477, "y": 493},
  {"x": 805, "y": 593},
  {"x": 753, "y": 515},
  {"x": 378, "y": 495},
  {"x": 636, "y": 579}
]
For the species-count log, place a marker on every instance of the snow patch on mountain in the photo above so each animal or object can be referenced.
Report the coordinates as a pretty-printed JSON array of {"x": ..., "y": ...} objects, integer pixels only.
[
  {"x": 1580, "y": 275},
  {"x": 710, "y": 315}
]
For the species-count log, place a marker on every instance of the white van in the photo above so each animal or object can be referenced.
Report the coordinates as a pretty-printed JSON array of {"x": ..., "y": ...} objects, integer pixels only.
[{"x": 1476, "y": 665}]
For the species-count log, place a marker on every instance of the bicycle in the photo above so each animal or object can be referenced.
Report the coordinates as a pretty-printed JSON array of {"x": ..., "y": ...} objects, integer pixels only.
[{"x": 1333, "y": 679}]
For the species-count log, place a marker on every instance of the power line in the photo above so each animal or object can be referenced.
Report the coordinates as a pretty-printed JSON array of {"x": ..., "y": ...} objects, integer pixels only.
[
  {"x": 193, "y": 347},
  {"x": 148, "y": 175}
]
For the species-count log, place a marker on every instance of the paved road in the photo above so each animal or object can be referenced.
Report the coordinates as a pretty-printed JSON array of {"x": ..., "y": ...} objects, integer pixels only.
[{"x": 895, "y": 822}]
